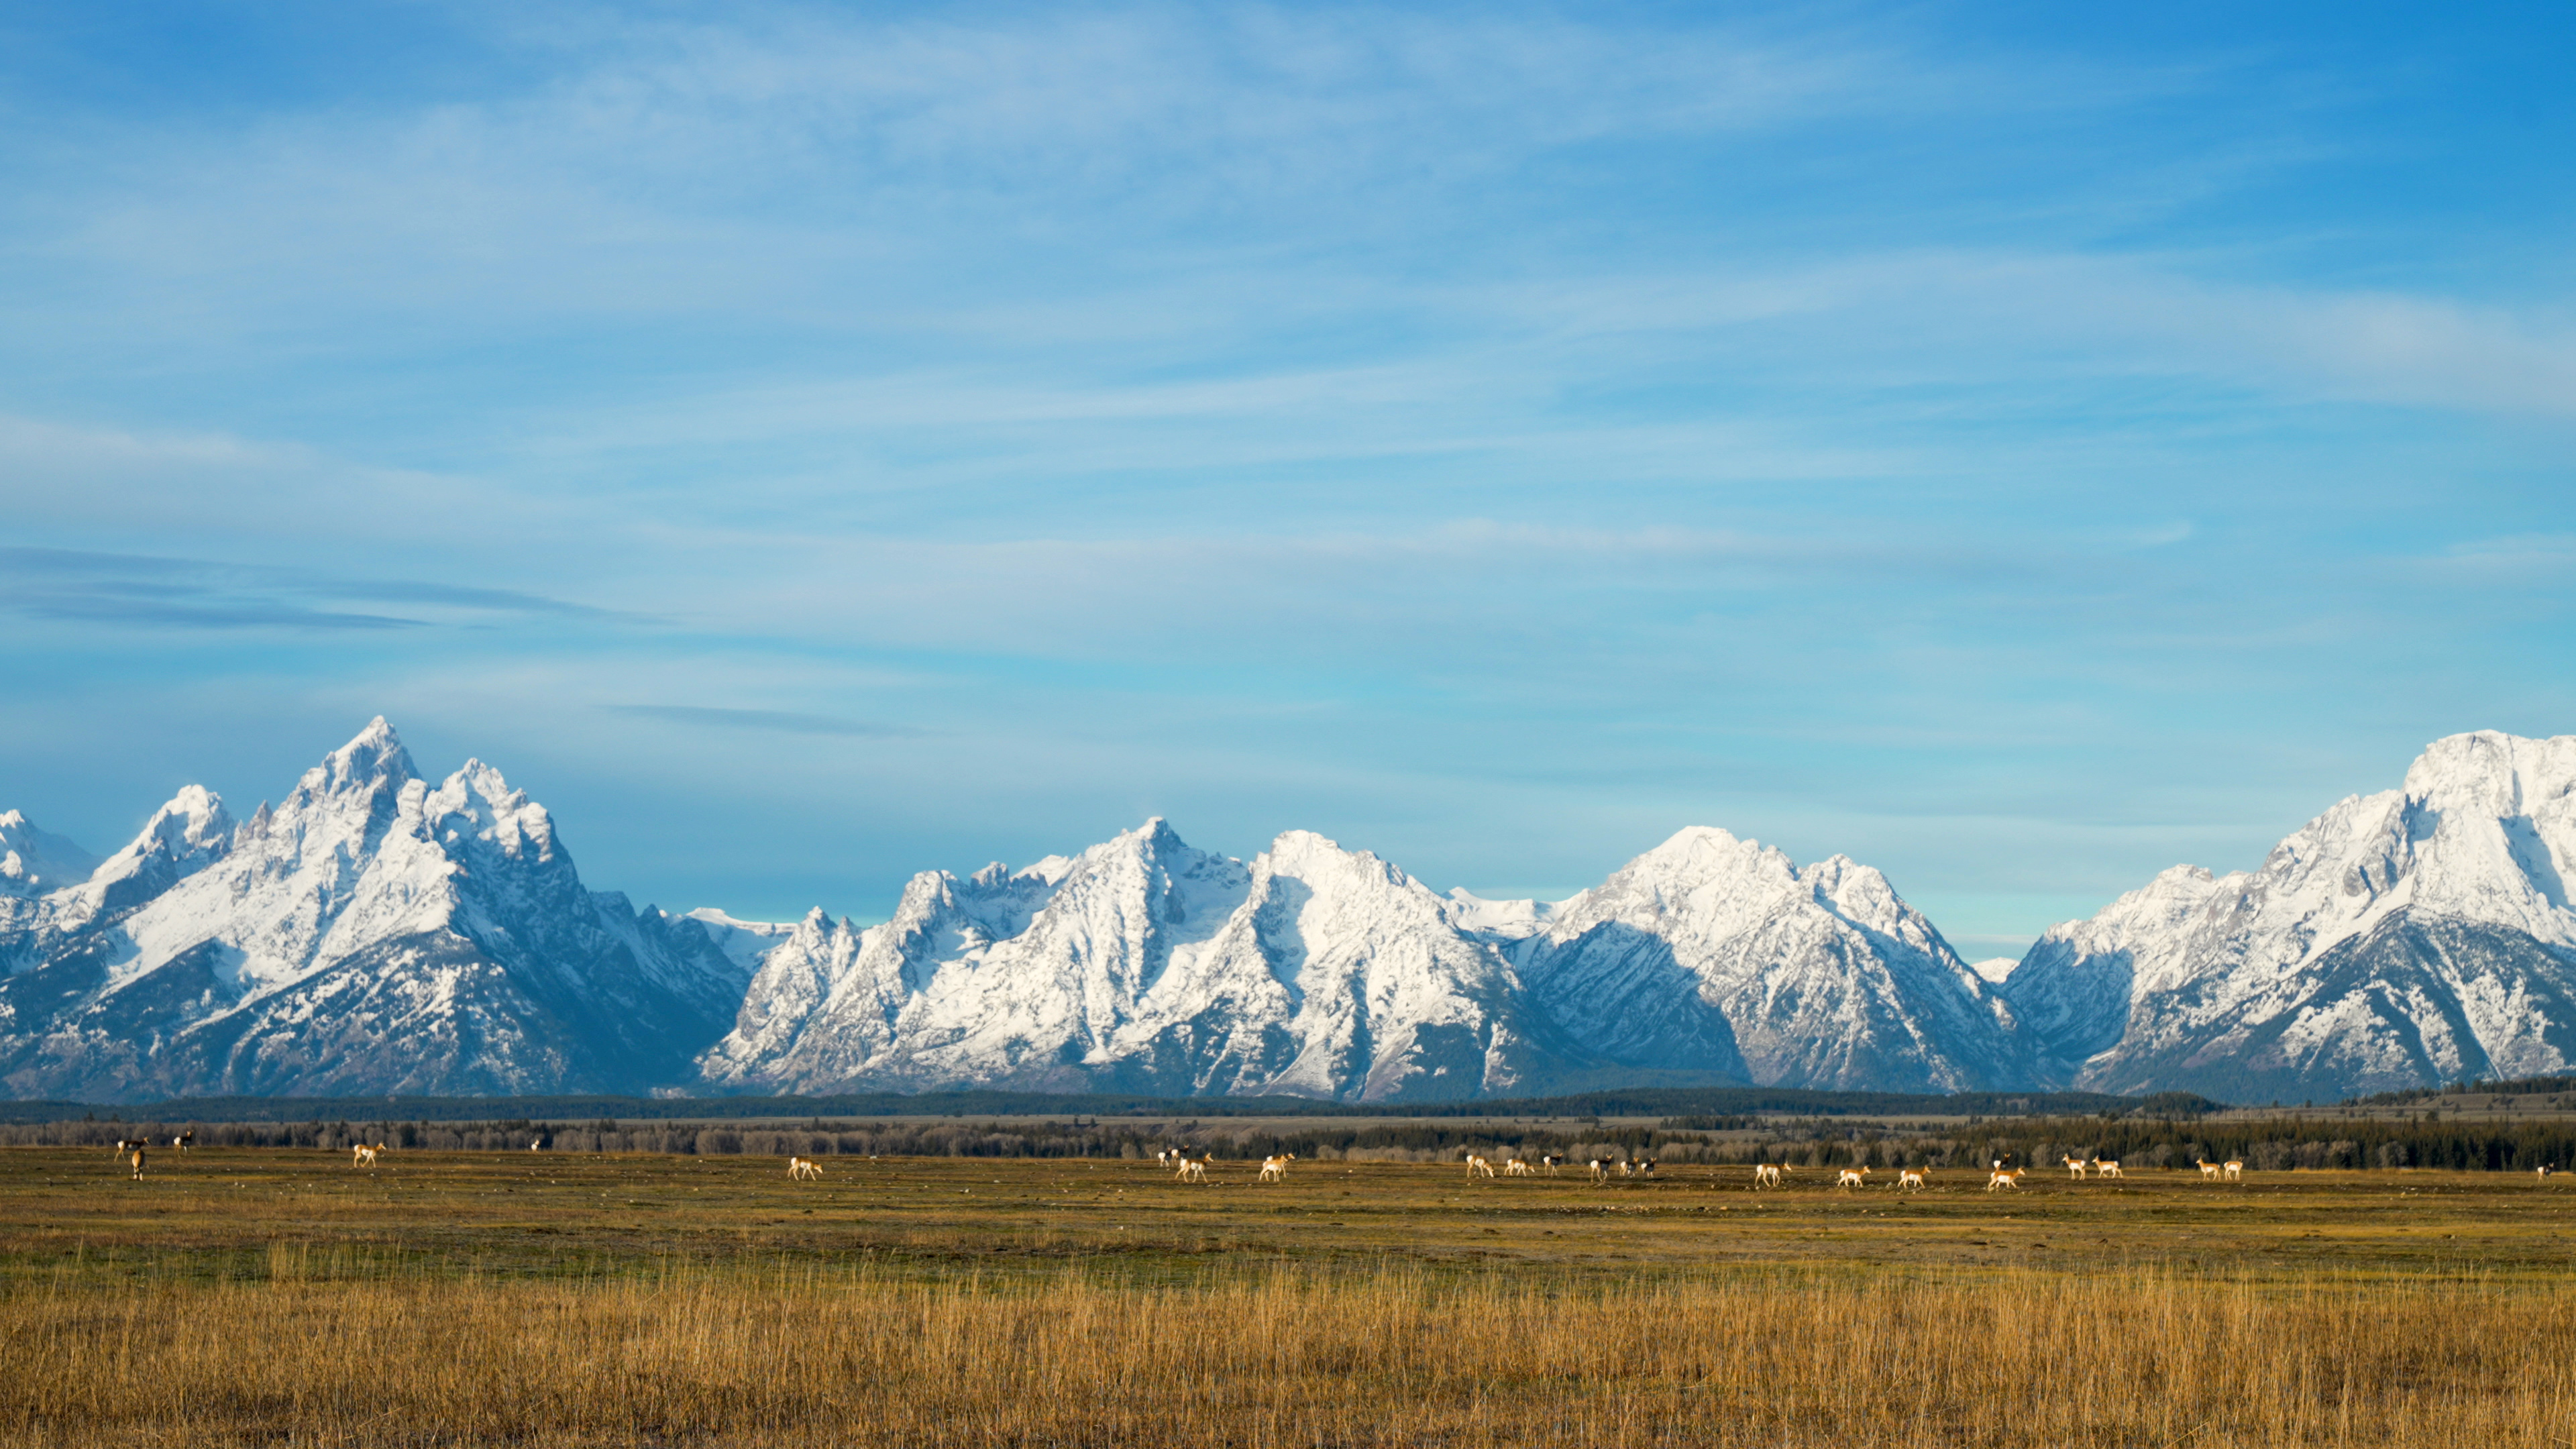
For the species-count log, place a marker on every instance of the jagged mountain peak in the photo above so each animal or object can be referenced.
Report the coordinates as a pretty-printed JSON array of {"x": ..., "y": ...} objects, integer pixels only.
[
  {"x": 373, "y": 761},
  {"x": 372, "y": 933},
  {"x": 2494, "y": 773},
  {"x": 2410, "y": 936},
  {"x": 1724, "y": 953},
  {"x": 1296, "y": 852},
  {"x": 186, "y": 835},
  {"x": 34, "y": 861}
]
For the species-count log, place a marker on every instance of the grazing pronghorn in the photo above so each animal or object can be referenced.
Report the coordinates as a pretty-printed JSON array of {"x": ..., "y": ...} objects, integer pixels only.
[
  {"x": 185, "y": 1140},
  {"x": 1477, "y": 1164},
  {"x": 2002, "y": 1178},
  {"x": 804, "y": 1167},
  {"x": 1517, "y": 1167},
  {"x": 2108, "y": 1167},
  {"x": 2075, "y": 1165},
  {"x": 1600, "y": 1169},
  {"x": 2235, "y": 1170},
  {"x": 1851, "y": 1178},
  {"x": 1551, "y": 1162},
  {"x": 1275, "y": 1169},
  {"x": 1765, "y": 1174},
  {"x": 1910, "y": 1177},
  {"x": 136, "y": 1156},
  {"x": 2208, "y": 1169}
]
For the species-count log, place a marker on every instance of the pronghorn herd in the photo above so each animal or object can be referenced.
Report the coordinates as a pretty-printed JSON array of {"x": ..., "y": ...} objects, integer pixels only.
[{"x": 132, "y": 1153}]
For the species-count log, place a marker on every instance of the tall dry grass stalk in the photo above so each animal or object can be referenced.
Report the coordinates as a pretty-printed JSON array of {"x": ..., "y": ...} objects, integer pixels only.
[{"x": 1389, "y": 1359}]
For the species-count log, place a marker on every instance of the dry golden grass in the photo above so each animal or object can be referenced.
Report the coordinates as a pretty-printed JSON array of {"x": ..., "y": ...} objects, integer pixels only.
[
  {"x": 1383, "y": 1359},
  {"x": 272, "y": 1300}
]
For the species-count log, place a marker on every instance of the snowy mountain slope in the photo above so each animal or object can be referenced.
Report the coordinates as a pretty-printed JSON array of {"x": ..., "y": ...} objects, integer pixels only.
[
  {"x": 372, "y": 933},
  {"x": 2399, "y": 939},
  {"x": 1721, "y": 955},
  {"x": 1144, "y": 964}
]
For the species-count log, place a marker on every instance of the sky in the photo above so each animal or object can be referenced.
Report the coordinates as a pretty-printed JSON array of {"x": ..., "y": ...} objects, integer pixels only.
[{"x": 2020, "y": 447}]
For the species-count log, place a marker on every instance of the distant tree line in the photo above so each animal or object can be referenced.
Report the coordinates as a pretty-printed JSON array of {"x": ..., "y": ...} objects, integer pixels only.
[{"x": 2266, "y": 1145}]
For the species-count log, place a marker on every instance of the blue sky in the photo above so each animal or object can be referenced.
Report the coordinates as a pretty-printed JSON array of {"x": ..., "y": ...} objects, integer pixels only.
[{"x": 2020, "y": 447}]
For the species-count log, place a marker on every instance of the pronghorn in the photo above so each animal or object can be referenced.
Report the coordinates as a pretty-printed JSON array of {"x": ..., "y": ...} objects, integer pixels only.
[
  {"x": 1646, "y": 1167},
  {"x": 1163, "y": 1157},
  {"x": 2235, "y": 1170},
  {"x": 185, "y": 1140},
  {"x": 804, "y": 1167},
  {"x": 2002, "y": 1178},
  {"x": 1625, "y": 1167},
  {"x": 2108, "y": 1167},
  {"x": 1194, "y": 1171},
  {"x": 1275, "y": 1169},
  {"x": 1516, "y": 1167},
  {"x": 2075, "y": 1165},
  {"x": 1551, "y": 1162},
  {"x": 1600, "y": 1169},
  {"x": 2208, "y": 1169},
  {"x": 1910, "y": 1177},
  {"x": 1850, "y": 1178},
  {"x": 137, "y": 1157},
  {"x": 2542, "y": 1170},
  {"x": 1765, "y": 1174},
  {"x": 363, "y": 1156},
  {"x": 1477, "y": 1164}
]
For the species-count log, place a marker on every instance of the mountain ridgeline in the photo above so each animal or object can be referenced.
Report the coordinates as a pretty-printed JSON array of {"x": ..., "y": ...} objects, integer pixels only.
[{"x": 380, "y": 933}]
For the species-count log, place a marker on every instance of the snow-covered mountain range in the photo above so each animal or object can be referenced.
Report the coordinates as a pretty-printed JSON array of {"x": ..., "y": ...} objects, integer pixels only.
[
  {"x": 2418, "y": 935},
  {"x": 1143, "y": 964},
  {"x": 376, "y": 932},
  {"x": 373, "y": 933}
]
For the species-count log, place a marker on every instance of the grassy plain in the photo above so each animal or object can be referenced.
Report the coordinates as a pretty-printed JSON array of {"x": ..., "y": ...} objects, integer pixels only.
[{"x": 271, "y": 1297}]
